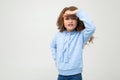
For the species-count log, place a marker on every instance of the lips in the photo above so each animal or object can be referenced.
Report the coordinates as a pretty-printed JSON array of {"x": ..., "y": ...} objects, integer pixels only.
[{"x": 70, "y": 24}]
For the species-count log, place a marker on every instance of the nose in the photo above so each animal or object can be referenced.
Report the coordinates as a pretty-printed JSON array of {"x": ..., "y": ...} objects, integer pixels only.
[{"x": 70, "y": 20}]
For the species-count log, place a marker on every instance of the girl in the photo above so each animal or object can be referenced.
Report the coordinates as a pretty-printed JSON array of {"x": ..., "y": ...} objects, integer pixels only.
[{"x": 75, "y": 30}]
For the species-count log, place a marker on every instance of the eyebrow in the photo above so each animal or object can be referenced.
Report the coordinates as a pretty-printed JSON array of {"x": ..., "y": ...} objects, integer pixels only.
[{"x": 70, "y": 16}]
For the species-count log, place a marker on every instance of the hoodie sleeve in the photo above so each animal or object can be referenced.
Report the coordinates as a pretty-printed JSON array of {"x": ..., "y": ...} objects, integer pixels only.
[
  {"x": 53, "y": 47},
  {"x": 89, "y": 26}
]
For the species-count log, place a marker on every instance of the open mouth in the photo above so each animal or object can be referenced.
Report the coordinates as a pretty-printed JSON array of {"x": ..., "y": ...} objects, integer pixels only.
[{"x": 70, "y": 24}]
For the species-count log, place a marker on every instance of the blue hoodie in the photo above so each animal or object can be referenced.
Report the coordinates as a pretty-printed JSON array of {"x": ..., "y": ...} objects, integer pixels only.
[{"x": 67, "y": 47}]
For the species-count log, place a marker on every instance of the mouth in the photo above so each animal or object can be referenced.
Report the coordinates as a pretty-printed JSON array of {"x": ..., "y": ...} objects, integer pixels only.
[{"x": 70, "y": 24}]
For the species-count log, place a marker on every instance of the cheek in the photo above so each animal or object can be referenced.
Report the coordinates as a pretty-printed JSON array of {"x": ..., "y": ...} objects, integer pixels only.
[
  {"x": 75, "y": 23},
  {"x": 65, "y": 23}
]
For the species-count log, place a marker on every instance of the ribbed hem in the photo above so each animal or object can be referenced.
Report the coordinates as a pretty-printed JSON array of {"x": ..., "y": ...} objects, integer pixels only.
[{"x": 70, "y": 72}]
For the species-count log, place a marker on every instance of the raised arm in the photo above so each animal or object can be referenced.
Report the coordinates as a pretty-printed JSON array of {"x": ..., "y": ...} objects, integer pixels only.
[{"x": 89, "y": 25}]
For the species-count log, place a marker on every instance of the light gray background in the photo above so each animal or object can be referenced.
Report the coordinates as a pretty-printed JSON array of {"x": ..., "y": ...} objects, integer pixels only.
[{"x": 27, "y": 27}]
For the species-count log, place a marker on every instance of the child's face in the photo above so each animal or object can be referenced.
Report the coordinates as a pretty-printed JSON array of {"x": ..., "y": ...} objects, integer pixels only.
[{"x": 70, "y": 22}]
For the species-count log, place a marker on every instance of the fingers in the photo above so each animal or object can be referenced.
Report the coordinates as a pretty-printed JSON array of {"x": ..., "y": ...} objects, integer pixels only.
[{"x": 68, "y": 13}]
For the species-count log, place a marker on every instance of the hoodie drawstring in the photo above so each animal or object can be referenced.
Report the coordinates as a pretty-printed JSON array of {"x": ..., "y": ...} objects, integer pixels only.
[{"x": 65, "y": 52}]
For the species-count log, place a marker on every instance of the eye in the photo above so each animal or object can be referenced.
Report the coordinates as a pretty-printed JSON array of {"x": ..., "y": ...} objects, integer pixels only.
[
  {"x": 66, "y": 18},
  {"x": 74, "y": 18}
]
